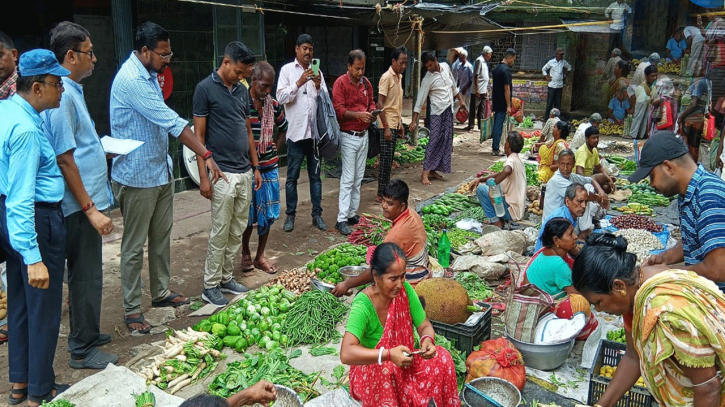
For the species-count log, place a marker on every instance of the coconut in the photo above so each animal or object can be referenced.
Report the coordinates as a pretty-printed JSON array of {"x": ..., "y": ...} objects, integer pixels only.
[{"x": 444, "y": 300}]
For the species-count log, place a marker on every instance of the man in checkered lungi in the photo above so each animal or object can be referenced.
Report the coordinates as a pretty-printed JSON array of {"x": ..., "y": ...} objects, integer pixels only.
[{"x": 439, "y": 85}]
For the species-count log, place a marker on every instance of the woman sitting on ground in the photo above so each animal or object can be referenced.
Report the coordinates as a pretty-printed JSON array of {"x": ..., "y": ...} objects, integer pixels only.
[
  {"x": 673, "y": 322},
  {"x": 379, "y": 340},
  {"x": 549, "y": 153},
  {"x": 547, "y": 132},
  {"x": 550, "y": 270}
]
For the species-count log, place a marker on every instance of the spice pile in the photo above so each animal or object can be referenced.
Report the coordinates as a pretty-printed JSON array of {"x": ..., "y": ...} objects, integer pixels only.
[
  {"x": 640, "y": 242},
  {"x": 631, "y": 221},
  {"x": 296, "y": 281}
]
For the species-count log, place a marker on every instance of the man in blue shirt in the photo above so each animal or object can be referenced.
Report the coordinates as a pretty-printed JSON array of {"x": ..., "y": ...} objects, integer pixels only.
[
  {"x": 701, "y": 197},
  {"x": 575, "y": 204},
  {"x": 676, "y": 46},
  {"x": 142, "y": 181},
  {"x": 32, "y": 230},
  {"x": 82, "y": 162}
]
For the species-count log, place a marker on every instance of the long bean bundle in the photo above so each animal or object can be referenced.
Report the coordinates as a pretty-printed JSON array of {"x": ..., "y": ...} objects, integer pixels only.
[{"x": 313, "y": 317}]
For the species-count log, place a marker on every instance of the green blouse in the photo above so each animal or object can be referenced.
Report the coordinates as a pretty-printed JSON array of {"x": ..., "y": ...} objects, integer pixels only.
[{"x": 364, "y": 323}]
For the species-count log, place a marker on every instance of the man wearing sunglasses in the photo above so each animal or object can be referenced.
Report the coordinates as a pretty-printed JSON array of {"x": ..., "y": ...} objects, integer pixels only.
[{"x": 143, "y": 180}]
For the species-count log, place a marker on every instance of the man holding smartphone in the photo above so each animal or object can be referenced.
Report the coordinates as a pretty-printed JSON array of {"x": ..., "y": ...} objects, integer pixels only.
[
  {"x": 352, "y": 96},
  {"x": 297, "y": 90},
  {"x": 390, "y": 100}
]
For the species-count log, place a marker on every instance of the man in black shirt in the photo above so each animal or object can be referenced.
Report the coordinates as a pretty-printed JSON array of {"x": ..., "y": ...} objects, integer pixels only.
[{"x": 501, "y": 97}]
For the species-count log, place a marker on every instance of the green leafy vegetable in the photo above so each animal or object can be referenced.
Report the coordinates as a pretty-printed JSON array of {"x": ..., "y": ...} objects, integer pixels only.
[{"x": 475, "y": 285}]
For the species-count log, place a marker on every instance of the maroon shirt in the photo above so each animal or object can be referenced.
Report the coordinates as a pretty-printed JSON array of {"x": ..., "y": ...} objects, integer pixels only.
[{"x": 346, "y": 96}]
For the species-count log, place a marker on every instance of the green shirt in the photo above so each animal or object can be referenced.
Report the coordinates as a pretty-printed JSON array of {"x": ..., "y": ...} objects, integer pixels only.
[
  {"x": 549, "y": 273},
  {"x": 364, "y": 323}
]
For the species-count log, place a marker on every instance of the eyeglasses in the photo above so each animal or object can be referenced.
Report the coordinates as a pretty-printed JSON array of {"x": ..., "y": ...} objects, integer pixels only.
[
  {"x": 165, "y": 57},
  {"x": 58, "y": 85},
  {"x": 90, "y": 53}
]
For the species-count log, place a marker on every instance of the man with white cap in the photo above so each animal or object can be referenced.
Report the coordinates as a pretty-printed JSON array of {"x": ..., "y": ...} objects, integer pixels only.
[
  {"x": 638, "y": 76},
  {"x": 465, "y": 79},
  {"x": 579, "y": 138},
  {"x": 701, "y": 197},
  {"x": 480, "y": 84},
  {"x": 32, "y": 228}
]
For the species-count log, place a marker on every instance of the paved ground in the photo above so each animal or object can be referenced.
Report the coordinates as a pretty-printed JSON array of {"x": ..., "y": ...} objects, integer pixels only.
[{"x": 288, "y": 250}]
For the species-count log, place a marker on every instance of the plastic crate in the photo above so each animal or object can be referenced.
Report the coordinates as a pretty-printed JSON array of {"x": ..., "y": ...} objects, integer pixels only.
[
  {"x": 465, "y": 337},
  {"x": 610, "y": 353}
]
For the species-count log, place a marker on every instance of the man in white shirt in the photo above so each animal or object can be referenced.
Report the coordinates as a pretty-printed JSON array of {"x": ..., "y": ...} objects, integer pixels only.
[
  {"x": 695, "y": 44},
  {"x": 555, "y": 70},
  {"x": 439, "y": 85},
  {"x": 616, "y": 11},
  {"x": 297, "y": 90},
  {"x": 480, "y": 84},
  {"x": 578, "y": 139},
  {"x": 638, "y": 76}
]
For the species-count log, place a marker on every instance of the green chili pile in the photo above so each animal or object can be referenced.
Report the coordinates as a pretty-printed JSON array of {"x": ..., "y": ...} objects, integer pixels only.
[{"x": 313, "y": 317}]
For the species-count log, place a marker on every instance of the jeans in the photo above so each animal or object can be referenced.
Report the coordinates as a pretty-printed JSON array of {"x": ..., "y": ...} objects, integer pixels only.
[
  {"x": 354, "y": 151},
  {"x": 498, "y": 120},
  {"x": 147, "y": 213},
  {"x": 297, "y": 151},
  {"x": 34, "y": 313},
  {"x": 487, "y": 205},
  {"x": 229, "y": 217},
  {"x": 553, "y": 99},
  {"x": 85, "y": 283}
]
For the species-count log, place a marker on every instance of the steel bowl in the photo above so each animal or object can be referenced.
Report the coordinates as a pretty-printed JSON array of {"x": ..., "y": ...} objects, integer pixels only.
[
  {"x": 543, "y": 357},
  {"x": 320, "y": 285},
  {"x": 349, "y": 272},
  {"x": 287, "y": 397},
  {"x": 423, "y": 132},
  {"x": 499, "y": 390}
]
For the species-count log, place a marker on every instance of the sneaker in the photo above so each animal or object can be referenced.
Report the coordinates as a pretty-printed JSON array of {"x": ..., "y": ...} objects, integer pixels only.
[
  {"x": 319, "y": 222},
  {"x": 289, "y": 223},
  {"x": 232, "y": 286},
  {"x": 214, "y": 296},
  {"x": 95, "y": 359},
  {"x": 343, "y": 228},
  {"x": 354, "y": 220}
]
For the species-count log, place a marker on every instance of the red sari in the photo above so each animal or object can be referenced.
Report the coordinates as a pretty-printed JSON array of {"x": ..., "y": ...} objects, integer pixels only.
[{"x": 388, "y": 385}]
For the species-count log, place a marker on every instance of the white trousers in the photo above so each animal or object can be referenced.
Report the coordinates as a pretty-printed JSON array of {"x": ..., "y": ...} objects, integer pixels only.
[{"x": 354, "y": 151}]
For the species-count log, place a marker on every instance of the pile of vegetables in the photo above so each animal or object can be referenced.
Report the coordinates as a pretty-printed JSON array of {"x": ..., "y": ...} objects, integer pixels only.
[
  {"x": 58, "y": 403},
  {"x": 3, "y": 304},
  {"x": 627, "y": 167},
  {"x": 617, "y": 335},
  {"x": 532, "y": 177},
  {"x": 527, "y": 123},
  {"x": 465, "y": 188},
  {"x": 475, "y": 285},
  {"x": 497, "y": 358},
  {"x": 635, "y": 208},
  {"x": 449, "y": 203},
  {"x": 370, "y": 231},
  {"x": 649, "y": 199},
  {"x": 533, "y": 207},
  {"x": 459, "y": 237},
  {"x": 256, "y": 319},
  {"x": 404, "y": 155},
  {"x": 296, "y": 281},
  {"x": 145, "y": 399},
  {"x": 188, "y": 357},
  {"x": 273, "y": 367},
  {"x": 640, "y": 242},
  {"x": 313, "y": 318},
  {"x": 328, "y": 264},
  {"x": 631, "y": 221},
  {"x": 435, "y": 223},
  {"x": 475, "y": 213}
]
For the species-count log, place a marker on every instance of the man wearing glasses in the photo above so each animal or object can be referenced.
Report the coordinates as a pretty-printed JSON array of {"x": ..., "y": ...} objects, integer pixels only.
[
  {"x": 82, "y": 161},
  {"x": 32, "y": 228},
  {"x": 142, "y": 181}
]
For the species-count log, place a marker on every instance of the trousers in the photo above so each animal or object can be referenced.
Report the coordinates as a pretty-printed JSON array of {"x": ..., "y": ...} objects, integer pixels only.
[{"x": 354, "y": 152}]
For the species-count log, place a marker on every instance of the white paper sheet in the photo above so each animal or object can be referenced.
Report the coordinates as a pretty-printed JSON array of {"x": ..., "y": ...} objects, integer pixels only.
[{"x": 119, "y": 146}]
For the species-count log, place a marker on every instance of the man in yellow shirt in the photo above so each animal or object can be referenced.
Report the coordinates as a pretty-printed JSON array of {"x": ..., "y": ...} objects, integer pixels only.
[{"x": 587, "y": 156}]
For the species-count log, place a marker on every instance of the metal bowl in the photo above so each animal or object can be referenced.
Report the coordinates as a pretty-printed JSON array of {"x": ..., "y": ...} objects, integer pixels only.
[
  {"x": 287, "y": 397},
  {"x": 543, "y": 357},
  {"x": 499, "y": 390},
  {"x": 320, "y": 285},
  {"x": 423, "y": 132},
  {"x": 349, "y": 272}
]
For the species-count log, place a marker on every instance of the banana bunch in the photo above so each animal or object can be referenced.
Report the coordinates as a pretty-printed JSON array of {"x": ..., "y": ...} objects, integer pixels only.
[
  {"x": 669, "y": 67},
  {"x": 609, "y": 128},
  {"x": 576, "y": 123}
]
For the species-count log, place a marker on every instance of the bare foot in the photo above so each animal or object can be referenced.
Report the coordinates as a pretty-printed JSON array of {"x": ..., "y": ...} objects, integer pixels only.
[
  {"x": 435, "y": 175},
  {"x": 425, "y": 180},
  {"x": 247, "y": 264}
]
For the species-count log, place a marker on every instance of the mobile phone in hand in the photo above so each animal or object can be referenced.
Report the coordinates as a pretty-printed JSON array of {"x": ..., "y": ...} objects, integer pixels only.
[
  {"x": 315, "y": 66},
  {"x": 376, "y": 112}
]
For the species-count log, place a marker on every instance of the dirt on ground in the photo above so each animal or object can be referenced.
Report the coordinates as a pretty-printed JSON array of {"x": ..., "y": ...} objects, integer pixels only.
[{"x": 192, "y": 222}]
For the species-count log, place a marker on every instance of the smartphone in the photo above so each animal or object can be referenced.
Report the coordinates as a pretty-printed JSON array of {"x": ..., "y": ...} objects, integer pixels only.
[
  {"x": 376, "y": 112},
  {"x": 315, "y": 66},
  {"x": 417, "y": 352}
]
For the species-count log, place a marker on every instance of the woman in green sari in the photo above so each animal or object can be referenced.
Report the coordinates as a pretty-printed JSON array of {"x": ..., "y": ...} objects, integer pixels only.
[{"x": 674, "y": 322}]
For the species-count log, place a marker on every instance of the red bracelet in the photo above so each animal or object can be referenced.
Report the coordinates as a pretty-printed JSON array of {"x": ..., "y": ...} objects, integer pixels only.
[
  {"x": 388, "y": 355},
  {"x": 207, "y": 155},
  {"x": 422, "y": 338},
  {"x": 88, "y": 206}
]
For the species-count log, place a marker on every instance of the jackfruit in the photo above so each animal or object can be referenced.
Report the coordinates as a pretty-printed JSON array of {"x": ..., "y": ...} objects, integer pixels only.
[{"x": 444, "y": 300}]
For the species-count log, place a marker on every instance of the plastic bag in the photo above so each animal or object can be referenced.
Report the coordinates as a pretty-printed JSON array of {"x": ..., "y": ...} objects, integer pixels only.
[
  {"x": 480, "y": 265},
  {"x": 609, "y": 168},
  {"x": 502, "y": 241}
]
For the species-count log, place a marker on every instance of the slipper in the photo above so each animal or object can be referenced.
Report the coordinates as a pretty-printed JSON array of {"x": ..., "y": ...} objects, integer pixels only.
[
  {"x": 15, "y": 401},
  {"x": 95, "y": 359},
  {"x": 496, "y": 153},
  {"x": 266, "y": 266},
  {"x": 47, "y": 398},
  {"x": 166, "y": 302},
  {"x": 5, "y": 339},
  {"x": 139, "y": 320}
]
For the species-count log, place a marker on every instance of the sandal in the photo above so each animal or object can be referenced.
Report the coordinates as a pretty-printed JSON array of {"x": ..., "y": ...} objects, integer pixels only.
[
  {"x": 136, "y": 320},
  {"x": 247, "y": 264},
  {"x": 5, "y": 339},
  {"x": 496, "y": 153},
  {"x": 15, "y": 401},
  {"x": 266, "y": 266},
  {"x": 47, "y": 398},
  {"x": 167, "y": 302}
]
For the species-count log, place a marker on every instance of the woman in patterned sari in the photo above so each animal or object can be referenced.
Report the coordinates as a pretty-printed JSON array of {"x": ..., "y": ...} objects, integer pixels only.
[
  {"x": 379, "y": 340},
  {"x": 621, "y": 70},
  {"x": 549, "y": 152},
  {"x": 674, "y": 322}
]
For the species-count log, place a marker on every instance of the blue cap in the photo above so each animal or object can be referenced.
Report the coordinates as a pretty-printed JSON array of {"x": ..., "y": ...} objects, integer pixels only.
[{"x": 40, "y": 62}]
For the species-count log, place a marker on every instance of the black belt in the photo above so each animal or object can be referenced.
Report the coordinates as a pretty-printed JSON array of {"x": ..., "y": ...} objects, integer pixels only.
[
  {"x": 48, "y": 205},
  {"x": 356, "y": 133}
]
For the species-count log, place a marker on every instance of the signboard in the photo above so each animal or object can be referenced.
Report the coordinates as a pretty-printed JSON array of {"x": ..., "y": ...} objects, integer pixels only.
[{"x": 530, "y": 91}]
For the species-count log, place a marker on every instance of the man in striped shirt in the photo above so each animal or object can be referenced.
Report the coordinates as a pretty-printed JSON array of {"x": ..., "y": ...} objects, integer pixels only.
[{"x": 701, "y": 198}]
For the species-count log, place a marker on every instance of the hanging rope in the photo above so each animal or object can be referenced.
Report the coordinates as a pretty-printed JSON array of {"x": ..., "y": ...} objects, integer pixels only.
[{"x": 543, "y": 27}]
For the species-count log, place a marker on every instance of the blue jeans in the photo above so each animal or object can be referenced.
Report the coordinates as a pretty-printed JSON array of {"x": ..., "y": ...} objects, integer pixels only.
[
  {"x": 499, "y": 118},
  {"x": 487, "y": 205},
  {"x": 296, "y": 153}
]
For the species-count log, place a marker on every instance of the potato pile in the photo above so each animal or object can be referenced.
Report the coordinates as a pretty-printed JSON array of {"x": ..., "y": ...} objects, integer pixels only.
[
  {"x": 534, "y": 208},
  {"x": 3, "y": 304},
  {"x": 464, "y": 189}
]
